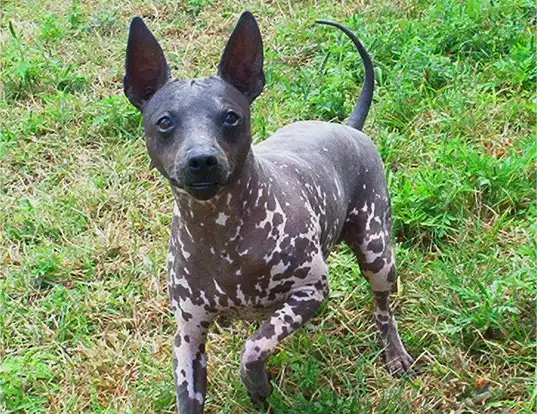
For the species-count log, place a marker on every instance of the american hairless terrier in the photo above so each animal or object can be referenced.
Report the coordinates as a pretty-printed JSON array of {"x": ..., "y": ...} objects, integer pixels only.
[{"x": 253, "y": 225}]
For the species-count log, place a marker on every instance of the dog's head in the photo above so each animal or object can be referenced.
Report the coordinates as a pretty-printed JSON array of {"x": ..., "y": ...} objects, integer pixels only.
[{"x": 197, "y": 130}]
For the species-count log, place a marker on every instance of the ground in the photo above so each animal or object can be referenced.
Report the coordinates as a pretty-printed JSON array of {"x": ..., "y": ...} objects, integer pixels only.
[{"x": 85, "y": 324}]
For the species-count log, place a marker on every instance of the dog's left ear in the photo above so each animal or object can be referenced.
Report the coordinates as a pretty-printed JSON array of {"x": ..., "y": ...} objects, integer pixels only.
[{"x": 242, "y": 61}]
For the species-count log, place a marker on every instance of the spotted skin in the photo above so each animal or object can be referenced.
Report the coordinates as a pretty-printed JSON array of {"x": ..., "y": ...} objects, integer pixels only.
[
  {"x": 291, "y": 315},
  {"x": 251, "y": 241},
  {"x": 369, "y": 236}
]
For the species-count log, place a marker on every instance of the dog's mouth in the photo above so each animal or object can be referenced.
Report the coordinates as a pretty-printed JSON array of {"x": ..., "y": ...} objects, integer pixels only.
[
  {"x": 202, "y": 186},
  {"x": 202, "y": 191}
]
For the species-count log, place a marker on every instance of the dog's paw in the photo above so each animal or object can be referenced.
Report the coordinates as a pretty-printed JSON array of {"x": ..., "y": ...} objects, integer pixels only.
[
  {"x": 259, "y": 391},
  {"x": 400, "y": 363},
  {"x": 259, "y": 395}
]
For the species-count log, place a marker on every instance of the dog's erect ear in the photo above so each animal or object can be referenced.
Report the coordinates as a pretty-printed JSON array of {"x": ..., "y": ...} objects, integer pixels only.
[
  {"x": 146, "y": 70},
  {"x": 242, "y": 61}
]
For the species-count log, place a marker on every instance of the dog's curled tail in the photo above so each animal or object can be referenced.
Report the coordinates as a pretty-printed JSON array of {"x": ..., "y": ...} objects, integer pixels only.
[{"x": 359, "y": 114}]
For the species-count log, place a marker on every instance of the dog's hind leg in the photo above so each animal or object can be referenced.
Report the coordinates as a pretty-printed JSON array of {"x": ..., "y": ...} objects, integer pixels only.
[{"x": 368, "y": 232}]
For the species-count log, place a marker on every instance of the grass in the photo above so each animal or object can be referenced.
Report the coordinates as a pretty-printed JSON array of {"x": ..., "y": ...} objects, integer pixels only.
[{"x": 84, "y": 319}]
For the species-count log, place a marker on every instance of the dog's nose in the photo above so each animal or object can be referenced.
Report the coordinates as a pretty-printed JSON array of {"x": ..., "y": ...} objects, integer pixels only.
[{"x": 202, "y": 162}]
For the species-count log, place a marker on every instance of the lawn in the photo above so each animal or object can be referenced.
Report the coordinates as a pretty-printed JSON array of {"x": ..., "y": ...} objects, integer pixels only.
[{"x": 85, "y": 325}]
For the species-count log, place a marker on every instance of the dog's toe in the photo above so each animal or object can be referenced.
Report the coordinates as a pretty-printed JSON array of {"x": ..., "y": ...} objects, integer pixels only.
[{"x": 401, "y": 364}]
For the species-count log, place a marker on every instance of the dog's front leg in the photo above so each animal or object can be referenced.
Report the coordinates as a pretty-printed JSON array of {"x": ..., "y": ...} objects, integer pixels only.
[
  {"x": 190, "y": 362},
  {"x": 295, "y": 311}
]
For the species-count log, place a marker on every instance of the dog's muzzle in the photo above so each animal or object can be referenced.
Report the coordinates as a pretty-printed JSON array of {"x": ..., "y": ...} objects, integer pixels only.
[{"x": 202, "y": 176}]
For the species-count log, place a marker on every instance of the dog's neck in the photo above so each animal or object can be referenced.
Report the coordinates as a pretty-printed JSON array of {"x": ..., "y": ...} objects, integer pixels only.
[{"x": 233, "y": 198}]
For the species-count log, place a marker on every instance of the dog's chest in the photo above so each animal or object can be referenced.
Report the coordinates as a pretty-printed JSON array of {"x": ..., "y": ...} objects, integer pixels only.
[{"x": 250, "y": 261}]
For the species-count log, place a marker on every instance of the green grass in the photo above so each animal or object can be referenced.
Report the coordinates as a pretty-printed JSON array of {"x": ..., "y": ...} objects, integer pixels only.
[{"x": 84, "y": 319}]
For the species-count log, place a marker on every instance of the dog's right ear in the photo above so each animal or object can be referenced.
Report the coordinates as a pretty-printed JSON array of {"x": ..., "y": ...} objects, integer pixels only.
[{"x": 146, "y": 70}]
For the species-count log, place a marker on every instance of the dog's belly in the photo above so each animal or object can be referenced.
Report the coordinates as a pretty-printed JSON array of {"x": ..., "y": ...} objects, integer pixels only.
[{"x": 249, "y": 313}]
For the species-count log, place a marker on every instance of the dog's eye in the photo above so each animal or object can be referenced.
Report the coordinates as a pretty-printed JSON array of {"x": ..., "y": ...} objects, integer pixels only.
[
  {"x": 231, "y": 119},
  {"x": 164, "y": 124}
]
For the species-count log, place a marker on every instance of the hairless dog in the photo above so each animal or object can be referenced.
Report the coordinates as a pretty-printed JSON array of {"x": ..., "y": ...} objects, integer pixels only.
[{"x": 253, "y": 225}]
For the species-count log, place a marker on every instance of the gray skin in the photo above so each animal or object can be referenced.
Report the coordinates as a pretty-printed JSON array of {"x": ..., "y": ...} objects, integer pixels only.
[{"x": 253, "y": 225}]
